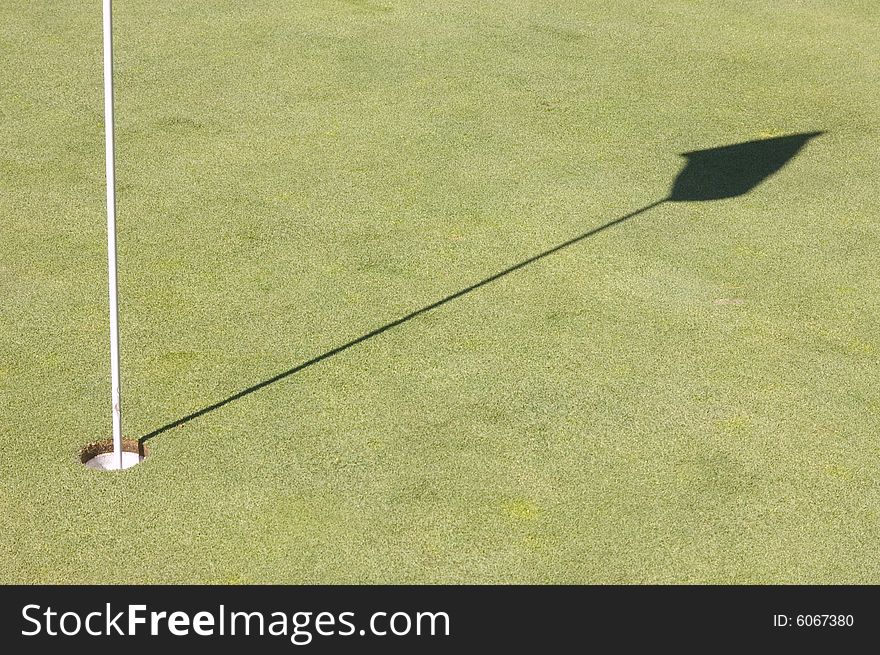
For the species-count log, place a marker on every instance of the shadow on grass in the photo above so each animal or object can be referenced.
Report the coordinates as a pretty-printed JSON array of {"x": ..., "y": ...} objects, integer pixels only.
[
  {"x": 731, "y": 171},
  {"x": 712, "y": 174}
]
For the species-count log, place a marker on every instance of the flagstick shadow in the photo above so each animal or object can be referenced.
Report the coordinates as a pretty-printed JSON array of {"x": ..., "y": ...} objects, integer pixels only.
[
  {"x": 400, "y": 321},
  {"x": 710, "y": 174}
]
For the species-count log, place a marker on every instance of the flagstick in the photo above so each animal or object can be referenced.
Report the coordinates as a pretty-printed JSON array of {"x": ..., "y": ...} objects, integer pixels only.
[{"x": 111, "y": 232}]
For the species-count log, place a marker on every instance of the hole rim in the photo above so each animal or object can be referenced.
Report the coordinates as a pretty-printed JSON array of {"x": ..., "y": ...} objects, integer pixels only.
[{"x": 95, "y": 448}]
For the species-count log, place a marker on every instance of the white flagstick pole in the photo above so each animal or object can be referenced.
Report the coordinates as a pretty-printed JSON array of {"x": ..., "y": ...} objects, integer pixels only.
[{"x": 111, "y": 232}]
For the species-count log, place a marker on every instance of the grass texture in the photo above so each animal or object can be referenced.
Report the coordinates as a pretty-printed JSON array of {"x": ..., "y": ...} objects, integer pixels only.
[{"x": 689, "y": 396}]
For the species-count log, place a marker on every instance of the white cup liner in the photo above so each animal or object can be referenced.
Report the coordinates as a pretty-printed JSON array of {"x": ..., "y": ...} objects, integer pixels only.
[{"x": 100, "y": 457}]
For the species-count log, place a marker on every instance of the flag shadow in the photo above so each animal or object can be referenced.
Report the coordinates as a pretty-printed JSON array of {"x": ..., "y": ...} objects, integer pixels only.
[{"x": 711, "y": 174}]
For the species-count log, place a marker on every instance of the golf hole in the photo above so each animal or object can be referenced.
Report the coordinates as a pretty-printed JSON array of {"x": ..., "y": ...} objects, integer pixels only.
[{"x": 99, "y": 455}]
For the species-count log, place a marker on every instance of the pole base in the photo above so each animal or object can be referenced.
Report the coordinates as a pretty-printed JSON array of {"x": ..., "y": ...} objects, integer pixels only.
[{"x": 99, "y": 455}]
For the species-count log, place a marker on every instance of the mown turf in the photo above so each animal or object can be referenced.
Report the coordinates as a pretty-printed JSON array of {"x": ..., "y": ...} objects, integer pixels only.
[{"x": 691, "y": 395}]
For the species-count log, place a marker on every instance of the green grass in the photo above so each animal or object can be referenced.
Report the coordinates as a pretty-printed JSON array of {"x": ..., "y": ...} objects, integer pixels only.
[{"x": 690, "y": 396}]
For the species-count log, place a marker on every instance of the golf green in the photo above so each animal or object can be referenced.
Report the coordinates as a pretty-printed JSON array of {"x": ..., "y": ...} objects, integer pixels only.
[{"x": 687, "y": 395}]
